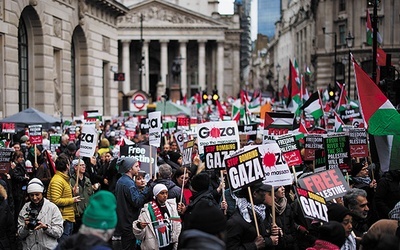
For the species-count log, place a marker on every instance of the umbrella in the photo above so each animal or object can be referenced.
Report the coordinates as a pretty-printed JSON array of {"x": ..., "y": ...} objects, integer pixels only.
[
  {"x": 31, "y": 116},
  {"x": 171, "y": 108}
]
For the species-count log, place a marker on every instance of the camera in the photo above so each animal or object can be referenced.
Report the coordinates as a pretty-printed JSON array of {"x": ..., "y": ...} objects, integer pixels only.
[{"x": 32, "y": 216}]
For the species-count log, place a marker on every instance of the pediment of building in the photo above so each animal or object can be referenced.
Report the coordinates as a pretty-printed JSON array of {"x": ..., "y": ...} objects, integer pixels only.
[{"x": 156, "y": 13}]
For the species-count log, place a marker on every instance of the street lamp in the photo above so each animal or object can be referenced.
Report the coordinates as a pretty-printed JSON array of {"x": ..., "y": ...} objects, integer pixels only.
[
  {"x": 335, "y": 36},
  {"x": 350, "y": 44},
  {"x": 278, "y": 68}
]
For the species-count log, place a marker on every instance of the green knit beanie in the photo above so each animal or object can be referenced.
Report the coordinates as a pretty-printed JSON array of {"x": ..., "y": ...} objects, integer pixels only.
[{"x": 101, "y": 211}]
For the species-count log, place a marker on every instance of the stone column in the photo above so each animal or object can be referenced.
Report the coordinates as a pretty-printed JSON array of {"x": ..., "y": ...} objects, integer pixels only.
[
  {"x": 202, "y": 64},
  {"x": 220, "y": 69},
  {"x": 183, "y": 52},
  {"x": 163, "y": 66},
  {"x": 126, "y": 66},
  {"x": 145, "y": 70}
]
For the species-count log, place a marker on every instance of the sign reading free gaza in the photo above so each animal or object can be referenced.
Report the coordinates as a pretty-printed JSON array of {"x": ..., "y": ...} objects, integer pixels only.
[{"x": 244, "y": 168}]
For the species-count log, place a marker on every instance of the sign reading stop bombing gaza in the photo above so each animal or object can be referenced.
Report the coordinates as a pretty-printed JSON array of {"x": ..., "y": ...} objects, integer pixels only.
[
  {"x": 244, "y": 168},
  {"x": 312, "y": 205},
  {"x": 213, "y": 133},
  {"x": 214, "y": 154}
]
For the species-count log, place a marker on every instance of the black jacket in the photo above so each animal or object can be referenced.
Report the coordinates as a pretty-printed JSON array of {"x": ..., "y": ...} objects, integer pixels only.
[
  {"x": 83, "y": 242},
  {"x": 387, "y": 193}
]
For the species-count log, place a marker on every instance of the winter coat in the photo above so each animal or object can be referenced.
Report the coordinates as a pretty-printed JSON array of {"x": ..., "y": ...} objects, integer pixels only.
[
  {"x": 387, "y": 193},
  {"x": 85, "y": 191},
  {"x": 60, "y": 193},
  {"x": 323, "y": 245},
  {"x": 174, "y": 191},
  {"x": 129, "y": 202},
  {"x": 83, "y": 242},
  {"x": 41, "y": 239},
  {"x": 196, "y": 239},
  {"x": 7, "y": 223},
  {"x": 147, "y": 235}
]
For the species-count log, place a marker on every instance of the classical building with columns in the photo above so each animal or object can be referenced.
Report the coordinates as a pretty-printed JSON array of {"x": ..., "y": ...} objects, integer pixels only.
[{"x": 178, "y": 48}]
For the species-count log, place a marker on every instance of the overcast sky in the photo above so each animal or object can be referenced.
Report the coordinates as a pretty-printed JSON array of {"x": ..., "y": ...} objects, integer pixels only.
[{"x": 226, "y": 7}]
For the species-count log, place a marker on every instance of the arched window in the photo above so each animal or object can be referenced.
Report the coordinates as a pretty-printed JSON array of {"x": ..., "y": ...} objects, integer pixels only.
[
  {"x": 23, "y": 63},
  {"x": 73, "y": 78}
]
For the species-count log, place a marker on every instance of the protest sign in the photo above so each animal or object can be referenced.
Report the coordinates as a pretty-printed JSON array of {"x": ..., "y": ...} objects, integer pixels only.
[
  {"x": 276, "y": 169},
  {"x": 35, "y": 134},
  {"x": 280, "y": 124},
  {"x": 320, "y": 160},
  {"x": 142, "y": 154},
  {"x": 5, "y": 159},
  {"x": 358, "y": 142},
  {"x": 182, "y": 123},
  {"x": 348, "y": 115},
  {"x": 169, "y": 127},
  {"x": 144, "y": 126},
  {"x": 311, "y": 143},
  {"x": 337, "y": 151},
  {"x": 214, "y": 154},
  {"x": 55, "y": 142},
  {"x": 244, "y": 168},
  {"x": 290, "y": 150},
  {"x": 249, "y": 130},
  {"x": 187, "y": 153},
  {"x": 179, "y": 138},
  {"x": 312, "y": 205},
  {"x": 213, "y": 133},
  {"x": 155, "y": 128},
  {"x": 8, "y": 128},
  {"x": 72, "y": 133},
  {"x": 88, "y": 140},
  {"x": 330, "y": 184}
]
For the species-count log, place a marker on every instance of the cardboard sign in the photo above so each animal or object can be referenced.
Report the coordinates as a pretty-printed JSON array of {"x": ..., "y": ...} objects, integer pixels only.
[
  {"x": 213, "y": 133},
  {"x": 187, "y": 153},
  {"x": 155, "y": 128},
  {"x": 142, "y": 154},
  {"x": 214, "y": 154},
  {"x": 8, "y": 128},
  {"x": 337, "y": 152},
  {"x": 5, "y": 160},
  {"x": 311, "y": 143},
  {"x": 55, "y": 142},
  {"x": 276, "y": 169},
  {"x": 330, "y": 184},
  {"x": 244, "y": 168},
  {"x": 88, "y": 140},
  {"x": 35, "y": 134},
  {"x": 358, "y": 142},
  {"x": 288, "y": 146},
  {"x": 313, "y": 205}
]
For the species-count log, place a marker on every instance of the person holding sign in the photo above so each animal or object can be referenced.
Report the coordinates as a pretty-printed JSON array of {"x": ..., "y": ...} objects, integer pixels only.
[
  {"x": 241, "y": 226},
  {"x": 158, "y": 225}
]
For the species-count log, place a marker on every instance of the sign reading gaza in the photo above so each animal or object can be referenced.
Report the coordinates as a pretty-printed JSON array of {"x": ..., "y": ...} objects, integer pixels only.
[
  {"x": 312, "y": 205},
  {"x": 330, "y": 184},
  {"x": 213, "y": 133},
  {"x": 215, "y": 154},
  {"x": 244, "y": 168}
]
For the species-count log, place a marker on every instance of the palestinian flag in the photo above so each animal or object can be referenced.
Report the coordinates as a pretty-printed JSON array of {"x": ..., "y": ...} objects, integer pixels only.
[
  {"x": 338, "y": 123},
  {"x": 341, "y": 105},
  {"x": 381, "y": 119},
  {"x": 294, "y": 91},
  {"x": 370, "y": 32},
  {"x": 313, "y": 106}
]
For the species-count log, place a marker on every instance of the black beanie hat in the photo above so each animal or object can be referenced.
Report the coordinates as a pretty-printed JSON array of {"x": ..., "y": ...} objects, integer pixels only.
[
  {"x": 200, "y": 182},
  {"x": 337, "y": 212},
  {"x": 333, "y": 232},
  {"x": 174, "y": 156},
  {"x": 207, "y": 217},
  {"x": 356, "y": 168}
]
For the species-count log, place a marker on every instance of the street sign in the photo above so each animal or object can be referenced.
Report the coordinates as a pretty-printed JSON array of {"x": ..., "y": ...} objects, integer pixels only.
[{"x": 138, "y": 102}]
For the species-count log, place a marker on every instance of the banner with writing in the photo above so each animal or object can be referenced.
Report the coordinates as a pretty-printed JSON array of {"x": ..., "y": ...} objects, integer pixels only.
[
  {"x": 337, "y": 151},
  {"x": 320, "y": 160},
  {"x": 214, "y": 154},
  {"x": 8, "y": 128},
  {"x": 311, "y": 143},
  {"x": 142, "y": 154},
  {"x": 213, "y": 133},
  {"x": 55, "y": 142},
  {"x": 155, "y": 128},
  {"x": 330, "y": 184},
  {"x": 313, "y": 205},
  {"x": 358, "y": 142},
  {"x": 88, "y": 140},
  {"x": 249, "y": 130},
  {"x": 35, "y": 134},
  {"x": 290, "y": 150},
  {"x": 5, "y": 159},
  {"x": 244, "y": 168},
  {"x": 187, "y": 153}
]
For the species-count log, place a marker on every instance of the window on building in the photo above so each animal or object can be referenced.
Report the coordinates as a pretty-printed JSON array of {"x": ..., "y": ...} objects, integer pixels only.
[
  {"x": 342, "y": 5},
  {"x": 73, "y": 78},
  {"x": 342, "y": 34},
  {"x": 23, "y": 87}
]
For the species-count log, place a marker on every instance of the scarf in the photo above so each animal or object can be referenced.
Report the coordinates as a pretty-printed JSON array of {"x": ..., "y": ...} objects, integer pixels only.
[
  {"x": 364, "y": 180},
  {"x": 245, "y": 207},
  {"x": 280, "y": 205},
  {"x": 161, "y": 225},
  {"x": 349, "y": 244}
]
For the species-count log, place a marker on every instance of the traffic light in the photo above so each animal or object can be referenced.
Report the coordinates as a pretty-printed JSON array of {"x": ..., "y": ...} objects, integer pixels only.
[
  {"x": 205, "y": 96},
  {"x": 215, "y": 96}
]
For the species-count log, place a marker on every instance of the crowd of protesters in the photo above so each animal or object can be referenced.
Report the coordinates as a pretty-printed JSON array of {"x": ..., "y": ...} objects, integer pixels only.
[{"x": 59, "y": 200}]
